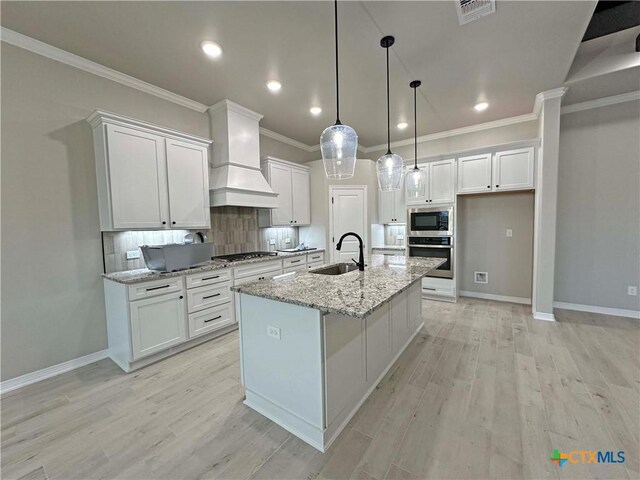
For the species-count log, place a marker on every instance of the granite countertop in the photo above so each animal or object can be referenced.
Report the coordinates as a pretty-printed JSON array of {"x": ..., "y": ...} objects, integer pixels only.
[
  {"x": 389, "y": 247},
  {"x": 145, "y": 275},
  {"x": 355, "y": 294}
]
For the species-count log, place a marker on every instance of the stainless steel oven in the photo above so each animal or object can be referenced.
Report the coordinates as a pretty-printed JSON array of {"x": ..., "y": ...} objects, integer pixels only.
[
  {"x": 430, "y": 222},
  {"x": 439, "y": 247}
]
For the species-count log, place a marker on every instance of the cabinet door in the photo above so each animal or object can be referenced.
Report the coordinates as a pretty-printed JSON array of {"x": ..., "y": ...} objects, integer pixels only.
[
  {"x": 378, "y": 342},
  {"x": 188, "y": 178},
  {"x": 513, "y": 169},
  {"x": 399, "y": 206},
  {"x": 386, "y": 207},
  {"x": 301, "y": 197},
  {"x": 399, "y": 322},
  {"x": 157, "y": 323},
  {"x": 474, "y": 173},
  {"x": 442, "y": 188},
  {"x": 137, "y": 176},
  {"x": 423, "y": 199},
  {"x": 280, "y": 181}
]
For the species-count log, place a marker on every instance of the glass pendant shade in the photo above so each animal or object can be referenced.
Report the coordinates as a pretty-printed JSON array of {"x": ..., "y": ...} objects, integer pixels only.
[
  {"x": 389, "y": 169},
  {"x": 415, "y": 182},
  {"x": 339, "y": 145}
]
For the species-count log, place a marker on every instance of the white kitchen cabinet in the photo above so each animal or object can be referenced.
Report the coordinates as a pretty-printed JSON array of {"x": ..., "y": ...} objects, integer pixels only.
[
  {"x": 440, "y": 183},
  {"x": 291, "y": 182},
  {"x": 474, "y": 174},
  {"x": 513, "y": 169},
  {"x": 188, "y": 178},
  {"x": 391, "y": 207},
  {"x": 157, "y": 323},
  {"x": 149, "y": 177}
]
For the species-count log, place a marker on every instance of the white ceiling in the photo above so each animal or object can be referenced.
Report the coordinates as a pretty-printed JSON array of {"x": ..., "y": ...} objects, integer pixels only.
[{"x": 505, "y": 58}]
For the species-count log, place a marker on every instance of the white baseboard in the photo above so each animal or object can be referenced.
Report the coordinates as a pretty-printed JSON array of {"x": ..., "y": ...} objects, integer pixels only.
[
  {"x": 52, "y": 371},
  {"x": 499, "y": 298},
  {"x": 547, "y": 317},
  {"x": 618, "y": 312}
]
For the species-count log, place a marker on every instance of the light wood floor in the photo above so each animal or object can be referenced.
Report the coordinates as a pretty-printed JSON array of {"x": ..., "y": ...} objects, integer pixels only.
[{"x": 484, "y": 392}]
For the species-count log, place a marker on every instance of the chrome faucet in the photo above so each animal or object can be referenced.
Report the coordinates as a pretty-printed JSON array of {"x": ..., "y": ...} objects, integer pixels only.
[{"x": 359, "y": 263}]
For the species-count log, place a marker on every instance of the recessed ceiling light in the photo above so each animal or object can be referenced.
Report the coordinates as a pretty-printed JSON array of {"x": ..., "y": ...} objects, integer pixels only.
[
  {"x": 315, "y": 111},
  {"x": 402, "y": 125},
  {"x": 481, "y": 106},
  {"x": 274, "y": 85},
  {"x": 212, "y": 49}
]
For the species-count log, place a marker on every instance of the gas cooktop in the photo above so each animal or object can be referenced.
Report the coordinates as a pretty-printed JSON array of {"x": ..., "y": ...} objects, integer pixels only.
[{"x": 236, "y": 257}]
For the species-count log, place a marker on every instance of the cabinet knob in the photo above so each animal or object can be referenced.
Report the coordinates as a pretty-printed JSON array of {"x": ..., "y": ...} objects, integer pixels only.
[
  {"x": 164, "y": 223},
  {"x": 295, "y": 221},
  {"x": 181, "y": 297},
  {"x": 173, "y": 223},
  {"x": 497, "y": 186},
  {"x": 488, "y": 186}
]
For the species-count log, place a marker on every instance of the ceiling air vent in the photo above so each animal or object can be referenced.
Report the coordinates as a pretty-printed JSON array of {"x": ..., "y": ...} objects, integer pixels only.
[{"x": 470, "y": 10}]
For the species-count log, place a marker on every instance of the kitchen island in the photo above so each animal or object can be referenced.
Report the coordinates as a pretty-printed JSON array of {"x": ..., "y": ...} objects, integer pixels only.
[{"x": 313, "y": 346}]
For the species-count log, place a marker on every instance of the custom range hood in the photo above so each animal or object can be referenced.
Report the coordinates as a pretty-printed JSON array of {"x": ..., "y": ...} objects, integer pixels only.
[{"x": 235, "y": 177}]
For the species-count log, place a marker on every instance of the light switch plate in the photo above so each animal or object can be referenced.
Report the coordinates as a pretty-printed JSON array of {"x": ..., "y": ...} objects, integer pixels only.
[
  {"x": 273, "y": 332},
  {"x": 632, "y": 290},
  {"x": 133, "y": 254},
  {"x": 509, "y": 232}
]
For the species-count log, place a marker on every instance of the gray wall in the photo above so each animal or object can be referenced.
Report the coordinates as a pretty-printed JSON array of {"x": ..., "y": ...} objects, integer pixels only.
[
  {"x": 483, "y": 245},
  {"x": 284, "y": 151},
  {"x": 52, "y": 298},
  {"x": 598, "y": 230}
]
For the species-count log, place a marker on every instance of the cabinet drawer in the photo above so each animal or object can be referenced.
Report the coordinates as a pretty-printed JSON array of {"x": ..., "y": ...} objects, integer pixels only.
[
  {"x": 257, "y": 269},
  {"x": 295, "y": 268},
  {"x": 311, "y": 266},
  {"x": 315, "y": 257},
  {"x": 255, "y": 278},
  {"x": 208, "y": 278},
  {"x": 300, "y": 260},
  {"x": 211, "y": 319},
  {"x": 155, "y": 288},
  {"x": 208, "y": 296}
]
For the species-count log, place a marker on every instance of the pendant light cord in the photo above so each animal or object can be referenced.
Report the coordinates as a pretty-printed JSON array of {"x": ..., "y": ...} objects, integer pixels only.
[
  {"x": 388, "y": 108},
  {"x": 415, "y": 128},
  {"x": 337, "y": 82}
]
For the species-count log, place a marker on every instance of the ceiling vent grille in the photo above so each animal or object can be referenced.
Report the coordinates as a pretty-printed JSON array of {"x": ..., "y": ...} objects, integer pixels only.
[{"x": 470, "y": 10}]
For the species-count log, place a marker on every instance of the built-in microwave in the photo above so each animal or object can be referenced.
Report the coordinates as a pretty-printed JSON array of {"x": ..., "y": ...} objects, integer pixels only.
[{"x": 430, "y": 222}]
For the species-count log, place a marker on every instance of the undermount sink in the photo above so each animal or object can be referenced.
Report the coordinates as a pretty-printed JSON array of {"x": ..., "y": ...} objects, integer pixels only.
[{"x": 337, "y": 269}]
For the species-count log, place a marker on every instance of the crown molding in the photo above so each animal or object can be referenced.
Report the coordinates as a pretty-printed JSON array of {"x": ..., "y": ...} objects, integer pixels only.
[
  {"x": 289, "y": 141},
  {"x": 234, "y": 107},
  {"x": 62, "y": 56},
  {"x": 601, "y": 102}
]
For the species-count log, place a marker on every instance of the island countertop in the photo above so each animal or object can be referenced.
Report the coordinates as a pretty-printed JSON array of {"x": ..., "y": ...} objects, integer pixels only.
[{"x": 355, "y": 294}]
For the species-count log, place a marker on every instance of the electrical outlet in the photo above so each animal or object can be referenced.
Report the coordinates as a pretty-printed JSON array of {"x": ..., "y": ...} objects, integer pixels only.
[
  {"x": 509, "y": 232},
  {"x": 631, "y": 290},
  {"x": 133, "y": 254},
  {"x": 273, "y": 332},
  {"x": 480, "y": 277},
  {"x": 287, "y": 240},
  {"x": 272, "y": 241}
]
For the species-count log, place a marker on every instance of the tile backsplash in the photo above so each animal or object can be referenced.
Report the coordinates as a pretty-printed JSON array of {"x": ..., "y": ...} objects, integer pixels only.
[
  {"x": 233, "y": 230},
  {"x": 391, "y": 233}
]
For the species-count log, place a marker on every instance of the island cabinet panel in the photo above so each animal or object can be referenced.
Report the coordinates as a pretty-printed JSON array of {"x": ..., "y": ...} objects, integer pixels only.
[
  {"x": 378, "y": 336},
  {"x": 414, "y": 299},
  {"x": 345, "y": 359},
  {"x": 282, "y": 361},
  {"x": 400, "y": 331}
]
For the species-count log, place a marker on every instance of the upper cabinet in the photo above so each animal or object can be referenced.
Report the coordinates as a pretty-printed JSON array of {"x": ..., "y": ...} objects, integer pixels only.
[
  {"x": 391, "y": 207},
  {"x": 149, "y": 177},
  {"x": 500, "y": 171},
  {"x": 440, "y": 187},
  {"x": 291, "y": 182}
]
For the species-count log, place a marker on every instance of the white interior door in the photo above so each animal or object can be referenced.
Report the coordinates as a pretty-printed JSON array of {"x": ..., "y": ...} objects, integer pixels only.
[{"x": 348, "y": 214}]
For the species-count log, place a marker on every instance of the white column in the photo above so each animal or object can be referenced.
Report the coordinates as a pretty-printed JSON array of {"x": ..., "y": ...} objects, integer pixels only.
[{"x": 544, "y": 249}]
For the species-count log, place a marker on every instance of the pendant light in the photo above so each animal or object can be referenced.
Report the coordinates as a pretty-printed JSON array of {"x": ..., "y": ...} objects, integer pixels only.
[
  {"x": 389, "y": 166},
  {"x": 416, "y": 180},
  {"x": 338, "y": 143}
]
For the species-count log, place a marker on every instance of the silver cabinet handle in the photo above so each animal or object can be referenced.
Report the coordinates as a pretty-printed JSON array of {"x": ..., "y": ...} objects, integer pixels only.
[
  {"x": 211, "y": 296},
  {"x": 212, "y": 319}
]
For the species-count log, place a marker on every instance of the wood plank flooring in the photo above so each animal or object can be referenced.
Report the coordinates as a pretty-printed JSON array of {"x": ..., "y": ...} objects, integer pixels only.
[{"x": 484, "y": 391}]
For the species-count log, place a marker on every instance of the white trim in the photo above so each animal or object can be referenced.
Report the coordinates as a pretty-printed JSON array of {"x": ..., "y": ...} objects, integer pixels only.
[
  {"x": 234, "y": 107},
  {"x": 547, "y": 317},
  {"x": 52, "y": 371},
  {"x": 618, "y": 312},
  {"x": 499, "y": 298},
  {"x": 601, "y": 102},
  {"x": 62, "y": 56}
]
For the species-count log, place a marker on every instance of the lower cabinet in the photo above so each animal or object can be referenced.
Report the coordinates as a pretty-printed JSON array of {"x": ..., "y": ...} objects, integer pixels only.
[
  {"x": 157, "y": 323},
  {"x": 211, "y": 319}
]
